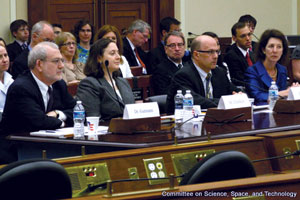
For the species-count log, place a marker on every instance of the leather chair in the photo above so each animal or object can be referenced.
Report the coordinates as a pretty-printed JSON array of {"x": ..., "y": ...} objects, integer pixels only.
[
  {"x": 34, "y": 179},
  {"x": 161, "y": 101},
  {"x": 219, "y": 166}
]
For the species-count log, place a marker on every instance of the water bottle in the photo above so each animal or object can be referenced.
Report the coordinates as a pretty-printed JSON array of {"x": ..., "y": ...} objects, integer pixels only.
[
  {"x": 188, "y": 102},
  {"x": 178, "y": 99},
  {"x": 273, "y": 95},
  {"x": 78, "y": 117}
]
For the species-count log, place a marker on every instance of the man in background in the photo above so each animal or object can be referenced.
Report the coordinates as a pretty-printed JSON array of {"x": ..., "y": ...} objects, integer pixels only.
[
  {"x": 137, "y": 35},
  {"x": 41, "y": 31},
  {"x": 20, "y": 31}
]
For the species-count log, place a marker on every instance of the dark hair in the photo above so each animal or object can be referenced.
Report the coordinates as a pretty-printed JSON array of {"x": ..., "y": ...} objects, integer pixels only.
[
  {"x": 174, "y": 33},
  {"x": 15, "y": 25},
  {"x": 238, "y": 25},
  {"x": 1, "y": 39},
  {"x": 211, "y": 34},
  {"x": 109, "y": 28},
  {"x": 248, "y": 19},
  {"x": 92, "y": 66},
  {"x": 57, "y": 25},
  {"x": 79, "y": 25},
  {"x": 166, "y": 23},
  {"x": 265, "y": 37}
]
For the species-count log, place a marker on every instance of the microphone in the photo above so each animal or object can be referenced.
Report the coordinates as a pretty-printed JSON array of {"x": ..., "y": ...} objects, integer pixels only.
[
  {"x": 295, "y": 153},
  {"x": 194, "y": 116},
  {"x": 255, "y": 36},
  {"x": 113, "y": 85},
  {"x": 190, "y": 33}
]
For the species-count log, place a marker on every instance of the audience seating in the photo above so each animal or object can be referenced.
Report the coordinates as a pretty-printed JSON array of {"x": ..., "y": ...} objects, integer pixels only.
[
  {"x": 72, "y": 88},
  {"x": 137, "y": 70}
]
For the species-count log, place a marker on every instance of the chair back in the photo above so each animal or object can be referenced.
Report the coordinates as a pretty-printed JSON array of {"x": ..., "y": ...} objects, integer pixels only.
[
  {"x": 161, "y": 101},
  {"x": 137, "y": 70},
  {"x": 34, "y": 179},
  {"x": 72, "y": 88},
  {"x": 219, "y": 166}
]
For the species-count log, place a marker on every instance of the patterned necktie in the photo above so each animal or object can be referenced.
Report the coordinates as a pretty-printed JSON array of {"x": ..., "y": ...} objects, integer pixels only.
[
  {"x": 179, "y": 66},
  {"x": 249, "y": 61},
  {"x": 139, "y": 58},
  {"x": 50, "y": 100},
  {"x": 208, "y": 88},
  {"x": 24, "y": 46}
]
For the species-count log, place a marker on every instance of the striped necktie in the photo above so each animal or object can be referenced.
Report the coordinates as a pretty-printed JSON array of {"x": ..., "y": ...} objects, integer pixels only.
[{"x": 208, "y": 88}]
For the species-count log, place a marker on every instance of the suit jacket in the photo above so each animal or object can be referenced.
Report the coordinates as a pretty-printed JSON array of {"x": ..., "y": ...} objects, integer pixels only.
[
  {"x": 24, "y": 109},
  {"x": 237, "y": 64},
  {"x": 99, "y": 98},
  {"x": 20, "y": 64},
  {"x": 14, "y": 50},
  {"x": 259, "y": 81},
  {"x": 188, "y": 78},
  {"x": 162, "y": 76},
  {"x": 130, "y": 55}
]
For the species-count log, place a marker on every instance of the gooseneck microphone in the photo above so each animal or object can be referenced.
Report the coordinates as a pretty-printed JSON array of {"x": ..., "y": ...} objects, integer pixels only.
[
  {"x": 190, "y": 33},
  {"x": 113, "y": 85},
  {"x": 295, "y": 153}
]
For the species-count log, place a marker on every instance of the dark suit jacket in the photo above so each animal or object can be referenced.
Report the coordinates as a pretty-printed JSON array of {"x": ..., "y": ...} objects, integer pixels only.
[
  {"x": 13, "y": 50},
  {"x": 24, "y": 110},
  {"x": 188, "y": 78},
  {"x": 162, "y": 76},
  {"x": 99, "y": 98},
  {"x": 259, "y": 81},
  {"x": 20, "y": 64},
  {"x": 130, "y": 56},
  {"x": 237, "y": 64}
]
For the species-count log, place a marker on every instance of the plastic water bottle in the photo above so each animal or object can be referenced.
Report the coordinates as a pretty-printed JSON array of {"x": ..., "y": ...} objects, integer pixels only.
[
  {"x": 188, "y": 102},
  {"x": 178, "y": 99},
  {"x": 79, "y": 117},
  {"x": 273, "y": 95}
]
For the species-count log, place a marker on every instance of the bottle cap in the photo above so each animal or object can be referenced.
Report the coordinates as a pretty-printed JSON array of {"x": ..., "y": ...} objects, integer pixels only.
[{"x": 78, "y": 102}]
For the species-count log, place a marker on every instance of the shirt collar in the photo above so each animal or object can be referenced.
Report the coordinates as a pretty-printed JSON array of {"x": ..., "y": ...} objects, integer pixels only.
[
  {"x": 201, "y": 72},
  {"x": 21, "y": 43},
  {"x": 131, "y": 44},
  {"x": 244, "y": 52},
  {"x": 43, "y": 87},
  {"x": 175, "y": 62}
]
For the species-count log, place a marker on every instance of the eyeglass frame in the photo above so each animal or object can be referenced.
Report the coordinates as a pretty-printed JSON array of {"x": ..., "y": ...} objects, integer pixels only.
[
  {"x": 210, "y": 52},
  {"x": 174, "y": 45}
]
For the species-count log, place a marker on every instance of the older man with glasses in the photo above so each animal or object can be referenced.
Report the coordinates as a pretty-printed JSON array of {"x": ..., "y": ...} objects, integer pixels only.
[
  {"x": 137, "y": 35},
  {"x": 200, "y": 75},
  {"x": 41, "y": 31}
]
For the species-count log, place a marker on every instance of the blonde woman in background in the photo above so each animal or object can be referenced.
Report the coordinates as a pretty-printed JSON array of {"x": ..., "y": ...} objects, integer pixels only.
[{"x": 73, "y": 70}]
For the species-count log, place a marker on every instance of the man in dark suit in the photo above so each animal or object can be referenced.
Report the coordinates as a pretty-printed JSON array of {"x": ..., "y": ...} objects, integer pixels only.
[
  {"x": 39, "y": 99},
  {"x": 251, "y": 22},
  {"x": 200, "y": 75},
  {"x": 157, "y": 55},
  {"x": 137, "y": 35},
  {"x": 163, "y": 74},
  {"x": 20, "y": 30},
  {"x": 41, "y": 31},
  {"x": 239, "y": 57}
]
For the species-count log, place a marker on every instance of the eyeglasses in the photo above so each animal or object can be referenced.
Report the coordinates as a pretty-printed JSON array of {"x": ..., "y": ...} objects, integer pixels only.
[
  {"x": 56, "y": 61},
  {"x": 86, "y": 30},
  {"x": 146, "y": 36},
  {"x": 173, "y": 45},
  {"x": 69, "y": 44},
  {"x": 211, "y": 52}
]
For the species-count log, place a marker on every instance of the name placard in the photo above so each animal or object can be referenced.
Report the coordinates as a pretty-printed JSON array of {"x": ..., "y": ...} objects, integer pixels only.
[
  {"x": 234, "y": 101},
  {"x": 294, "y": 93},
  {"x": 141, "y": 110}
]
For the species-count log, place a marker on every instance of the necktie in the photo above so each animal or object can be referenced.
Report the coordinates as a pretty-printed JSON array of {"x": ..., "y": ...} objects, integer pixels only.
[
  {"x": 248, "y": 59},
  {"x": 208, "y": 89},
  {"x": 50, "y": 101},
  {"x": 24, "y": 46},
  {"x": 139, "y": 58},
  {"x": 179, "y": 66}
]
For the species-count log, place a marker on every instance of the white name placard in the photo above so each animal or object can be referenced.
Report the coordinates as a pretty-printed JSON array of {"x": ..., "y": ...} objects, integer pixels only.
[
  {"x": 234, "y": 101},
  {"x": 141, "y": 110},
  {"x": 294, "y": 93}
]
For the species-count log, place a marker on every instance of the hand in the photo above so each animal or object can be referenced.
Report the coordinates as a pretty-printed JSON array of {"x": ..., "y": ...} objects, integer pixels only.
[
  {"x": 52, "y": 114},
  {"x": 296, "y": 84}
]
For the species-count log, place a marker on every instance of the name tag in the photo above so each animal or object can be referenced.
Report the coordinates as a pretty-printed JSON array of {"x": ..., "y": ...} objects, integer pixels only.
[
  {"x": 141, "y": 110},
  {"x": 234, "y": 101},
  {"x": 294, "y": 93}
]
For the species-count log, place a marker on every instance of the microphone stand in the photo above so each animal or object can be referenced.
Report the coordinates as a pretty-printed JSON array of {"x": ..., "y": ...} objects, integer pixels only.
[{"x": 295, "y": 153}]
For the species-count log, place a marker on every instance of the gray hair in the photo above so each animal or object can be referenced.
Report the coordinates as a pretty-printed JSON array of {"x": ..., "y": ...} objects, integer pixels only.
[
  {"x": 174, "y": 33},
  {"x": 139, "y": 25},
  {"x": 38, "y": 27},
  {"x": 39, "y": 52}
]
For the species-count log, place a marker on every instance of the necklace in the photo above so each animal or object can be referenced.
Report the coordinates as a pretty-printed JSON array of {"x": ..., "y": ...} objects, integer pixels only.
[{"x": 273, "y": 75}]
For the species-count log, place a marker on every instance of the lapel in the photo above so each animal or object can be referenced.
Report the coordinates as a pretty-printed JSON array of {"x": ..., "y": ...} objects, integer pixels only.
[
  {"x": 263, "y": 74},
  {"x": 197, "y": 78},
  {"x": 129, "y": 53},
  {"x": 240, "y": 56},
  {"x": 37, "y": 90},
  {"x": 110, "y": 90}
]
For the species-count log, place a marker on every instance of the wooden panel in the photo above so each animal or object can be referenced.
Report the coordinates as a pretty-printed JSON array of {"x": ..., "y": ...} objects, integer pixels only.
[
  {"x": 278, "y": 144},
  {"x": 119, "y": 162},
  {"x": 279, "y": 186}
]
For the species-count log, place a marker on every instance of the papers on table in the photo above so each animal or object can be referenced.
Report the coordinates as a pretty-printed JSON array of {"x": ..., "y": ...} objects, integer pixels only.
[{"x": 66, "y": 132}]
